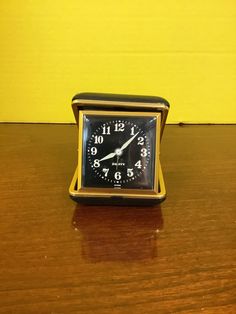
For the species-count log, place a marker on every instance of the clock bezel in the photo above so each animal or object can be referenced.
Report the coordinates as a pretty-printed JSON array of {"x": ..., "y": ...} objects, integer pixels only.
[
  {"x": 120, "y": 102},
  {"x": 75, "y": 194},
  {"x": 108, "y": 192}
]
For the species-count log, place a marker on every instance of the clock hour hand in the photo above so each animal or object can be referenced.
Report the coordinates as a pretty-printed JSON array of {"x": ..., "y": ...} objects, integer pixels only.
[
  {"x": 111, "y": 155},
  {"x": 126, "y": 144}
]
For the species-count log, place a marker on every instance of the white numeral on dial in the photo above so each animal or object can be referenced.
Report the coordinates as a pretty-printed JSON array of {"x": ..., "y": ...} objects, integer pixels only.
[
  {"x": 117, "y": 175},
  {"x": 132, "y": 131},
  {"x": 119, "y": 127},
  {"x": 140, "y": 140},
  {"x": 105, "y": 170},
  {"x": 98, "y": 139},
  {"x": 138, "y": 164},
  {"x": 96, "y": 163},
  {"x": 94, "y": 151},
  {"x": 143, "y": 152},
  {"x": 130, "y": 172},
  {"x": 106, "y": 130}
]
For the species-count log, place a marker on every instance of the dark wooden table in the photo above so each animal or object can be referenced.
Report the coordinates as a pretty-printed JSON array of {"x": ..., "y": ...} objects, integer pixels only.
[{"x": 59, "y": 257}]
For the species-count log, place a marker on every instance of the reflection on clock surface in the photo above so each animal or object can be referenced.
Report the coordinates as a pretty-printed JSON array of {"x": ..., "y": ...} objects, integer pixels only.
[{"x": 118, "y": 151}]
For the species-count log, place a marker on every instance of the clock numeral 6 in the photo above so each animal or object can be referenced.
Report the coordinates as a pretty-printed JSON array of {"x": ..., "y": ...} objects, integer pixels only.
[
  {"x": 96, "y": 163},
  {"x": 130, "y": 172},
  {"x": 140, "y": 140},
  {"x": 143, "y": 152},
  {"x": 94, "y": 151},
  {"x": 119, "y": 127},
  {"x": 138, "y": 164},
  {"x": 98, "y": 139},
  {"x": 117, "y": 175}
]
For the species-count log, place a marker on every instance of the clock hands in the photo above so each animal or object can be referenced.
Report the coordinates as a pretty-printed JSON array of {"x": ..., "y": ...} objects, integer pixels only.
[
  {"x": 119, "y": 151},
  {"x": 126, "y": 144},
  {"x": 117, "y": 161},
  {"x": 111, "y": 155}
]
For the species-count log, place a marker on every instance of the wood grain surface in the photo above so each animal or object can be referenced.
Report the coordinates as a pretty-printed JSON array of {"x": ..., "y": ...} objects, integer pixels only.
[{"x": 59, "y": 257}]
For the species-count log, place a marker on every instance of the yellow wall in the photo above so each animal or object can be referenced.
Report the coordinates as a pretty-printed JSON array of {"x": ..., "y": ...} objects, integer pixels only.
[{"x": 182, "y": 50}]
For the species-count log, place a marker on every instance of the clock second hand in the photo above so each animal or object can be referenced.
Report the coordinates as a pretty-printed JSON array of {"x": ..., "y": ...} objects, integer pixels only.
[{"x": 117, "y": 160}]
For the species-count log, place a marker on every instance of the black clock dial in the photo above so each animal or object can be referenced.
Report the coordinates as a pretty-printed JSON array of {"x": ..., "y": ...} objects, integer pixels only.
[{"x": 119, "y": 152}]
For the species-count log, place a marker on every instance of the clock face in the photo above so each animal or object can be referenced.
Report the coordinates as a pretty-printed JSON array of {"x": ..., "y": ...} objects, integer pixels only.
[{"x": 119, "y": 151}]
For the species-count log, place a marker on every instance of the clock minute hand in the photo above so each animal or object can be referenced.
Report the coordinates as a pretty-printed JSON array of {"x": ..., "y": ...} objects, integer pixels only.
[
  {"x": 111, "y": 155},
  {"x": 126, "y": 144}
]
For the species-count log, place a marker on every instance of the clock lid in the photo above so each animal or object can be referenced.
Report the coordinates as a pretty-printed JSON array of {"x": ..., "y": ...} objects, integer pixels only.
[{"x": 120, "y": 102}]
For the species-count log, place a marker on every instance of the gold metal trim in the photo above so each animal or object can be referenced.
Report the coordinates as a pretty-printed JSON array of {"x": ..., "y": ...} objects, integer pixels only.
[
  {"x": 108, "y": 192},
  {"x": 80, "y": 103},
  {"x": 161, "y": 194}
]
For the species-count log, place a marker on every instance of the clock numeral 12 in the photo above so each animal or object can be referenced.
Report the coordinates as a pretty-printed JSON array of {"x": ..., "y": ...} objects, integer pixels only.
[{"x": 119, "y": 127}]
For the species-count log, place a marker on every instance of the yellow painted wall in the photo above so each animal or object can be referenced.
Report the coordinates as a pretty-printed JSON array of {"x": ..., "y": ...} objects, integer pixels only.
[{"x": 182, "y": 50}]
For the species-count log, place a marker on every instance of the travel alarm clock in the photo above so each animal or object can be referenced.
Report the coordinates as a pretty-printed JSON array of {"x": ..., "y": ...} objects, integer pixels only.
[{"x": 119, "y": 149}]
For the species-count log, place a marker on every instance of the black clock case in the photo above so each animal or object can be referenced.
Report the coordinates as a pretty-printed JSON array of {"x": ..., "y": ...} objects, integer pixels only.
[{"x": 119, "y": 102}]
